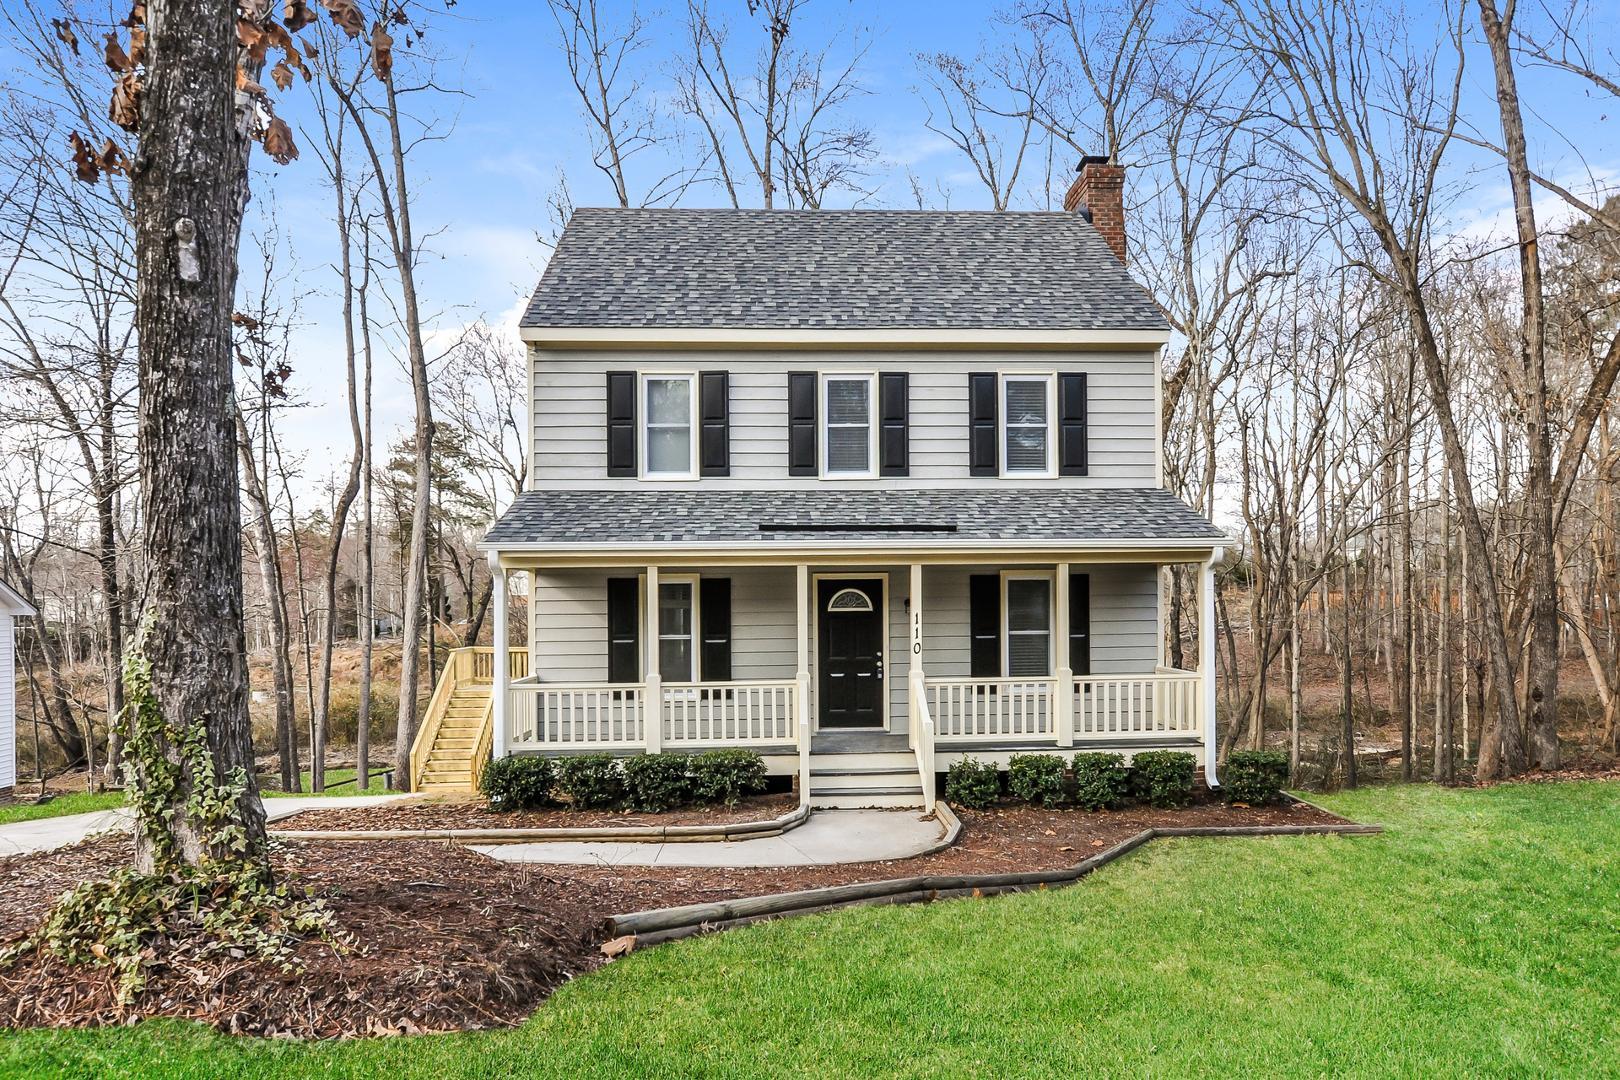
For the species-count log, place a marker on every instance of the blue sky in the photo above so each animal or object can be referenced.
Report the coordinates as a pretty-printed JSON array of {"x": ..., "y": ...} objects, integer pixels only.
[{"x": 482, "y": 191}]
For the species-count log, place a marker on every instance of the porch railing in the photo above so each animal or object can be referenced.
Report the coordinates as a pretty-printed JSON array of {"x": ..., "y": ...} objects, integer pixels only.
[
  {"x": 732, "y": 714},
  {"x": 567, "y": 716},
  {"x": 1167, "y": 703},
  {"x": 922, "y": 740},
  {"x": 616, "y": 716},
  {"x": 1009, "y": 709},
  {"x": 772, "y": 712}
]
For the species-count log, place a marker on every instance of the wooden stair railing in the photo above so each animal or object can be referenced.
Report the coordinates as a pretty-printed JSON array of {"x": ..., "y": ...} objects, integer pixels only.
[{"x": 464, "y": 667}]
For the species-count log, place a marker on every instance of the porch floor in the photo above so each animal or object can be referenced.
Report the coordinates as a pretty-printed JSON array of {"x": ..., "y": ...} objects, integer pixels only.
[
  {"x": 859, "y": 741},
  {"x": 828, "y": 838}
]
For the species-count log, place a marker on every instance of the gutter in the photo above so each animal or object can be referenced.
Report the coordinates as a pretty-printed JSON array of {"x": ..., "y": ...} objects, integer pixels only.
[{"x": 755, "y": 547}]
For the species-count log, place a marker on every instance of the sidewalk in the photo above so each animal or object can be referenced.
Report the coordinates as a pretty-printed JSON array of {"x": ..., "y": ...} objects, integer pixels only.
[
  {"x": 48, "y": 834},
  {"x": 828, "y": 838}
]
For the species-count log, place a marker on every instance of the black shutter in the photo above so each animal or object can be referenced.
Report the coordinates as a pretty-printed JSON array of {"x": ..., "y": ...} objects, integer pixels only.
[
  {"x": 715, "y": 604},
  {"x": 714, "y": 413},
  {"x": 621, "y": 423},
  {"x": 802, "y": 423},
  {"x": 894, "y": 410},
  {"x": 982, "y": 456},
  {"x": 984, "y": 625},
  {"x": 624, "y": 630},
  {"x": 1072, "y": 425},
  {"x": 1080, "y": 624}
]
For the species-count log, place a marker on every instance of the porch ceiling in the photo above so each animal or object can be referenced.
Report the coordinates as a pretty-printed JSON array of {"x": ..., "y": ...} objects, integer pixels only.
[{"x": 943, "y": 520}]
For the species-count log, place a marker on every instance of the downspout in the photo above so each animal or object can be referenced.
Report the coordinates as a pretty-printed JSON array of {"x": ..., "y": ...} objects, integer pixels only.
[{"x": 1206, "y": 660}]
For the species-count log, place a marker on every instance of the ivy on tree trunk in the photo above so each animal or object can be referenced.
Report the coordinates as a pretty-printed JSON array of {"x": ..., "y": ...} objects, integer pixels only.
[{"x": 190, "y": 188}]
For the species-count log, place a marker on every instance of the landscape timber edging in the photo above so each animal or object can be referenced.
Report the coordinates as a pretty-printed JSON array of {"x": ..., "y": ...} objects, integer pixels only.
[
  {"x": 638, "y": 834},
  {"x": 667, "y": 924}
]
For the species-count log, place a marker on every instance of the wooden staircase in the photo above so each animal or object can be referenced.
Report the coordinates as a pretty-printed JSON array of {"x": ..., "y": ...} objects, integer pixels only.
[
  {"x": 453, "y": 744},
  {"x": 449, "y": 764}
]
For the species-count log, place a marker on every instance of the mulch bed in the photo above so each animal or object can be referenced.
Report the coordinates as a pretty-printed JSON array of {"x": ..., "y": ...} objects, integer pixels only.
[
  {"x": 474, "y": 815},
  {"x": 445, "y": 939}
]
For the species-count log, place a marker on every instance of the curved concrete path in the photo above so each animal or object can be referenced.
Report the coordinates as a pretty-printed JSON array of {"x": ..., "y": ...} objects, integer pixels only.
[
  {"x": 48, "y": 834},
  {"x": 829, "y": 837}
]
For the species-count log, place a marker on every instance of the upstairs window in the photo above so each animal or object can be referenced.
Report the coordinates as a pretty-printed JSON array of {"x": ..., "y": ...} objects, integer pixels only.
[
  {"x": 849, "y": 410},
  {"x": 1027, "y": 446},
  {"x": 669, "y": 450}
]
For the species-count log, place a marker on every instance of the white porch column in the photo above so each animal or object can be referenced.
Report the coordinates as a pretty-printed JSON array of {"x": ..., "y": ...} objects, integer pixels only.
[
  {"x": 801, "y": 677},
  {"x": 503, "y": 675},
  {"x": 1063, "y": 700},
  {"x": 652, "y": 706},
  {"x": 914, "y": 649},
  {"x": 1206, "y": 660}
]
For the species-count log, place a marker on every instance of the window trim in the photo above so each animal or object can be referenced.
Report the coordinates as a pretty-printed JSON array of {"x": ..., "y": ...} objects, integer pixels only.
[
  {"x": 1050, "y": 471},
  {"x": 696, "y": 637},
  {"x": 1050, "y": 577},
  {"x": 823, "y": 423},
  {"x": 644, "y": 422}
]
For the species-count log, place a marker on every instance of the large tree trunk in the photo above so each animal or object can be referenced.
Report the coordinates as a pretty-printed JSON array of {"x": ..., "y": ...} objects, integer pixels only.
[{"x": 190, "y": 188}]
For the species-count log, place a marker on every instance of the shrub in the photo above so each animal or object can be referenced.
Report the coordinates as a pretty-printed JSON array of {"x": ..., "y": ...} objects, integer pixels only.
[
  {"x": 1255, "y": 777},
  {"x": 725, "y": 776},
  {"x": 654, "y": 783},
  {"x": 1101, "y": 781},
  {"x": 591, "y": 781},
  {"x": 1036, "y": 778},
  {"x": 1163, "y": 778},
  {"x": 517, "y": 783},
  {"x": 973, "y": 784}
]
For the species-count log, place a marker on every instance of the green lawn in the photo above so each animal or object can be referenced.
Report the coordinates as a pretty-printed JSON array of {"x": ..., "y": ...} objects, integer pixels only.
[
  {"x": 1480, "y": 935},
  {"x": 333, "y": 776},
  {"x": 79, "y": 802}
]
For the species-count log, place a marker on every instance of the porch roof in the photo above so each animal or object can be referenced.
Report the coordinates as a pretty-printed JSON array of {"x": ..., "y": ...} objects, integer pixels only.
[{"x": 910, "y": 518}]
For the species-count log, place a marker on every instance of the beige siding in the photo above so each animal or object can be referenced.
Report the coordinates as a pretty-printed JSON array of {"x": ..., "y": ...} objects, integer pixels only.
[{"x": 570, "y": 390}]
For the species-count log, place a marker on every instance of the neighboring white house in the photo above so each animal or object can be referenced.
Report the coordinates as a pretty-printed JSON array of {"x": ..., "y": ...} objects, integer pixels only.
[
  {"x": 866, "y": 491},
  {"x": 12, "y": 605}
]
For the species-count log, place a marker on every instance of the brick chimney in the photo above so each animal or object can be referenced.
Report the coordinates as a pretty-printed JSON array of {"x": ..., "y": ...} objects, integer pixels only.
[{"x": 1099, "y": 194}]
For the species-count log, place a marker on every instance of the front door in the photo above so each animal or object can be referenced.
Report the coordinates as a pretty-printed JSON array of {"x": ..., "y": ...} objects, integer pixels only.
[{"x": 849, "y": 648}]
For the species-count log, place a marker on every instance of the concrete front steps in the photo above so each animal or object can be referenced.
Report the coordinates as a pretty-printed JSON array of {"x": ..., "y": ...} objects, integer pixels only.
[
  {"x": 449, "y": 764},
  {"x": 863, "y": 770}
]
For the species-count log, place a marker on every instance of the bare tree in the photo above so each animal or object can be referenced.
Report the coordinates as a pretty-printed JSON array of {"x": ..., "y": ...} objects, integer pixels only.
[
  {"x": 988, "y": 109},
  {"x": 376, "y": 109},
  {"x": 603, "y": 64},
  {"x": 778, "y": 119}
]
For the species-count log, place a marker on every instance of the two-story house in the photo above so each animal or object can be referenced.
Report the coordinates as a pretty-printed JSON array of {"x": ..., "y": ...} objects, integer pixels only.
[{"x": 865, "y": 491}]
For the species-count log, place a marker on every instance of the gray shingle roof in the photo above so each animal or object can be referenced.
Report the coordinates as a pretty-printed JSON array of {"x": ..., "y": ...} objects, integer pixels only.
[
  {"x": 629, "y": 518},
  {"x": 837, "y": 269}
]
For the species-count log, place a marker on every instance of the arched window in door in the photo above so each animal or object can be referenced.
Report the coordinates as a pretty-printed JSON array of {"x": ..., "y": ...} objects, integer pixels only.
[{"x": 849, "y": 600}]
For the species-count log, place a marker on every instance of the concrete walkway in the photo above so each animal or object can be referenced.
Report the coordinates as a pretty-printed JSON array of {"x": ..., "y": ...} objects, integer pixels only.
[
  {"x": 48, "y": 834},
  {"x": 829, "y": 837}
]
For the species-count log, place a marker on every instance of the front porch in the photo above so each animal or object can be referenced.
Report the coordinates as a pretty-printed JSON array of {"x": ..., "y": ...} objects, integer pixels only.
[{"x": 857, "y": 678}]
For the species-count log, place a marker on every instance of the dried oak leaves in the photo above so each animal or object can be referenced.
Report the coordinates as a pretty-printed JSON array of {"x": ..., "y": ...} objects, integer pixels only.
[{"x": 259, "y": 35}]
